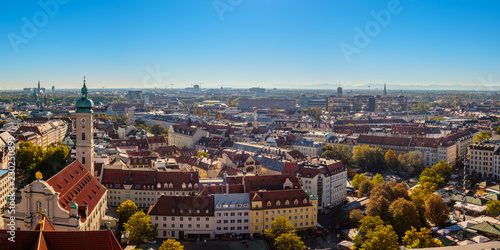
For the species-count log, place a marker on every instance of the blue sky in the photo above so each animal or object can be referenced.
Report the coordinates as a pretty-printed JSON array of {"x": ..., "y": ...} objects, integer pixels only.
[{"x": 267, "y": 43}]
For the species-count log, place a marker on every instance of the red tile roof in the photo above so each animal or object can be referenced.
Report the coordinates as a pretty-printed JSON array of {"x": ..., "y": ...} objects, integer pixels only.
[
  {"x": 268, "y": 182},
  {"x": 60, "y": 240},
  {"x": 384, "y": 140},
  {"x": 183, "y": 206},
  {"x": 219, "y": 189},
  {"x": 74, "y": 182},
  {"x": 149, "y": 179},
  {"x": 282, "y": 196}
]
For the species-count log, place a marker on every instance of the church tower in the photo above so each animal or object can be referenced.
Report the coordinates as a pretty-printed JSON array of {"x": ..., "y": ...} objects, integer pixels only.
[{"x": 85, "y": 130}]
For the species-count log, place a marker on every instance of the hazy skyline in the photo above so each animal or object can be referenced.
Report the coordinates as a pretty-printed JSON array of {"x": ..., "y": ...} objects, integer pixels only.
[{"x": 279, "y": 43}]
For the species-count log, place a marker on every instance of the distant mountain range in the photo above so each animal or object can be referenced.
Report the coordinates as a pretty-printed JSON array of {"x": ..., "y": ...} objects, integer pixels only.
[{"x": 397, "y": 87}]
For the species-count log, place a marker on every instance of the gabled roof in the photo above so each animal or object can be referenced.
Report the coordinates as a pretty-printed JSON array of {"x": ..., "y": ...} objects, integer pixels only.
[
  {"x": 60, "y": 240},
  {"x": 282, "y": 196},
  {"x": 74, "y": 182},
  {"x": 183, "y": 206},
  {"x": 487, "y": 227}
]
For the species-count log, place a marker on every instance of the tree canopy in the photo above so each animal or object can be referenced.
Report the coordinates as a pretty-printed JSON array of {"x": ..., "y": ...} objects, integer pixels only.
[
  {"x": 436, "y": 210},
  {"x": 289, "y": 241},
  {"x": 279, "y": 226},
  {"x": 358, "y": 179},
  {"x": 404, "y": 216},
  {"x": 493, "y": 207},
  {"x": 391, "y": 160},
  {"x": 31, "y": 159},
  {"x": 339, "y": 152},
  {"x": 422, "y": 239},
  {"x": 127, "y": 209},
  {"x": 158, "y": 129},
  {"x": 430, "y": 175},
  {"x": 171, "y": 244},
  {"x": 382, "y": 237},
  {"x": 139, "y": 227},
  {"x": 378, "y": 179},
  {"x": 371, "y": 159}
]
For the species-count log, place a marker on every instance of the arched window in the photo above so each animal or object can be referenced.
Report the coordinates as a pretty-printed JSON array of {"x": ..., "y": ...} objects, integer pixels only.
[
  {"x": 83, "y": 136},
  {"x": 170, "y": 185},
  {"x": 83, "y": 160},
  {"x": 269, "y": 203},
  {"x": 190, "y": 185},
  {"x": 165, "y": 185},
  {"x": 287, "y": 202},
  {"x": 296, "y": 202},
  {"x": 278, "y": 203}
]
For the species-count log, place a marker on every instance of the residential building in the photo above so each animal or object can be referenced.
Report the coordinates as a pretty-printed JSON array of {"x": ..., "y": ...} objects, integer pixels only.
[
  {"x": 326, "y": 181},
  {"x": 484, "y": 159},
  {"x": 185, "y": 136},
  {"x": 49, "y": 132},
  {"x": 246, "y": 104},
  {"x": 308, "y": 147},
  {"x": 145, "y": 187},
  {"x": 295, "y": 205},
  {"x": 232, "y": 213},
  {"x": 184, "y": 217}
]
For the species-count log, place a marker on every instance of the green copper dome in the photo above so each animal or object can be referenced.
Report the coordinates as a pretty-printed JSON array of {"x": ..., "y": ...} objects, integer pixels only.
[
  {"x": 84, "y": 104},
  {"x": 73, "y": 205}
]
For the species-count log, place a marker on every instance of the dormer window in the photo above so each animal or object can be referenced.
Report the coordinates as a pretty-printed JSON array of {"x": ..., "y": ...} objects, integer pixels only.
[
  {"x": 269, "y": 203},
  {"x": 287, "y": 203},
  {"x": 296, "y": 202},
  {"x": 304, "y": 201},
  {"x": 278, "y": 203}
]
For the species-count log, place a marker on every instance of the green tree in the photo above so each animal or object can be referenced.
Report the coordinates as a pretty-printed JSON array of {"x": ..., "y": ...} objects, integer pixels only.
[
  {"x": 171, "y": 244},
  {"x": 158, "y": 129},
  {"x": 127, "y": 209},
  {"x": 365, "y": 187},
  {"x": 315, "y": 113},
  {"x": 358, "y": 179},
  {"x": 481, "y": 136},
  {"x": 443, "y": 169},
  {"x": 27, "y": 157},
  {"x": 400, "y": 191},
  {"x": 381, "y": 238},
  {"x": 356, "y": 215},
  {"x": 404, "y": 215},
  {"x": 368, "y": 223},
  {"x": 418, "y": 197},
  {"x": 234, "y": 103},
  {"x": 338, "y": 152},
  {"x": 430, "y": 175},
  {"x": 139, "y": 227},
  {"x": 202, "y": 154},
  {"x": 279, "y": 226},
  {"x": 378, "y": 179},
  {"x": 422, "y": 239},
  {"x": 371, "y": 159},
  {"x": 411, "y": 161},
  {"x": 289, "y": 241},
  {"x": 378, "y": 206},
  {"x": 493, "y": 207},
  {"x": 436, "y": 210},
  {"x": 391, "y": 160},
  {"x": 49, "y": 162}
]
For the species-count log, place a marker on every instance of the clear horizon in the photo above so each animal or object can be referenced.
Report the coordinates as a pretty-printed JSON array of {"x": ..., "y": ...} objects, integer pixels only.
[{"x": 272, "y": 44}]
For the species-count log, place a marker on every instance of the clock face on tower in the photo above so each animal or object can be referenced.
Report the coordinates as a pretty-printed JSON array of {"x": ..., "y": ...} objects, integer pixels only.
[{"x": 83, "y": 120}]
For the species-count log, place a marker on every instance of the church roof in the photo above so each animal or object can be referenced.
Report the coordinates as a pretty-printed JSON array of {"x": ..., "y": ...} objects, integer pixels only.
[
  {"x": 84, "y": 105},
  {"x": 74, "y": 183}
]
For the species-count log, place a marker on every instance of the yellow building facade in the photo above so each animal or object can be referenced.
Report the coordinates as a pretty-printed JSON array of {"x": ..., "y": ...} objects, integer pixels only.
[{"x": 297, "y": 206}]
